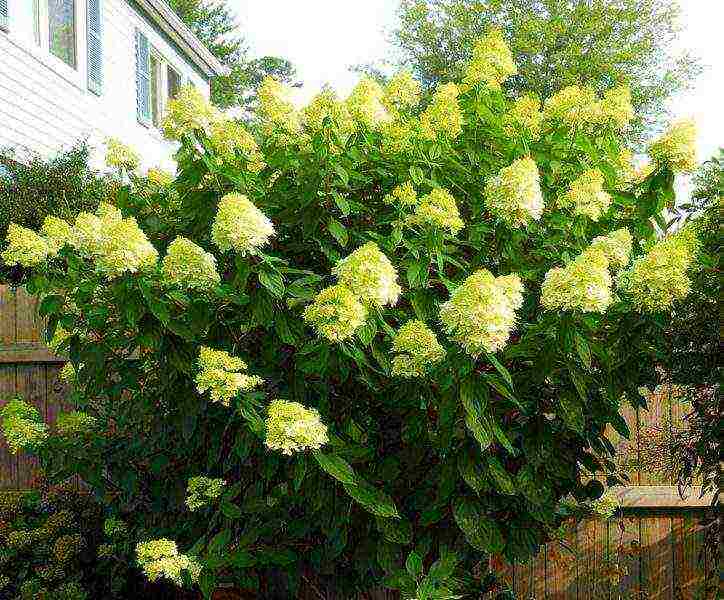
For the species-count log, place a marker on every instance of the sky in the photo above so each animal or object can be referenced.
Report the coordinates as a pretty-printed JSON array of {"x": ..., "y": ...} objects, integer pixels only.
[{"x": 325, "y": 37}]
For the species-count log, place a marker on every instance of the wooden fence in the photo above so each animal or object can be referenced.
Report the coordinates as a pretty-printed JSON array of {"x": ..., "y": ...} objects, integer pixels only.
[{"x": 650, "y": 550}]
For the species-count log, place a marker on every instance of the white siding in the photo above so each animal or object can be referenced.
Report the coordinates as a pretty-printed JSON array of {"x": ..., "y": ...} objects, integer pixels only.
[{"x": 45, "y": 105}]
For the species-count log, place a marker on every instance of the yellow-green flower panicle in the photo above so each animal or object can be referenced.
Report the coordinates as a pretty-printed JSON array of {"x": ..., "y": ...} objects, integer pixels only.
[
  {"x": 189, "y": 266},
  {"x": 227, "y": 138},
  {"x": 365, "y": 103},
  {"x": 443, "y": 117},
  {"x": 187, "y": 112},
  {"x": 677, "y": 147},
  {"x": 291, "y": 427},
  {"x": 159, "y": 178},
  {"x": 481, "y": 313},
  {"x": 240, "y": 226},
  {"x": 401, "y": 93},
  {"x": 403, "y": 195},
  {"x": 573, "y": 106},
  {"x": 370, "y": 275},
  {"x": 492, "y": 61},
  {"x": 584, "y": 284},
  {"x": 276, "y": 109},
  {"x": 398, "y": 137},
  {"x": 335, "y": 313},
  {"x": 125, "y": 249},
  {"x": 220, "y": 375},
  {"x": 56, "y": 232},
  {"x": 514, "y": 194},
  {"x": 439, "y": 210},
  {"x": 74, "y": 423},
  {"x": 202, "y": 491},
  {"x": 59, "y": 337},
  {"x": 68, "y": 374},
  {"x": 326, "y": 105},
  {"x": 586, "y": 195},
  {"x": 655, "y": 280},
  {"x": 120, "y": 156},
  {"x": 524, "y": 117},
  {"x": 616, "y": 107},
  {"x": 416, "y": 350},
  {"x": 87, "y": 233},
  {"x": 25, "y": 247},
  {"x": 22, "y": 426},
  {"x": 161, "y": 559},
  {"x": 616, "y": 247}
]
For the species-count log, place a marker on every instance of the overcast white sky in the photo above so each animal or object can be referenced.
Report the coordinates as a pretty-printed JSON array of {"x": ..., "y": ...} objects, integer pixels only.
[{"x": 325, "y": 37}]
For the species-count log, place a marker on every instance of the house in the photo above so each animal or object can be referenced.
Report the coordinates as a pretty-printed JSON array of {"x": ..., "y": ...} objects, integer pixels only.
[{"x": 92, "y": 69}]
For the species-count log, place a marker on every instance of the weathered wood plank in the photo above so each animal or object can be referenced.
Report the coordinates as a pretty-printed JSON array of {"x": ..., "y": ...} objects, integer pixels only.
[
  {"x": 31, "y": 388},
  {"x": 27, "y": 322},
  {"x": 7, "y": 315},
  {"x": 30, "y": 352},
  {"x": 561, "y": 567},
  {"x": 659, "y": 497},
  {"x": 8, "y": 461},
  {"x": 656, "y": 557}
]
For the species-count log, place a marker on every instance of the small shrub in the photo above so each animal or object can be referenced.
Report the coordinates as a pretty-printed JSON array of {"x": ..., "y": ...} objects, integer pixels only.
[{"x": 34, "y": 188}]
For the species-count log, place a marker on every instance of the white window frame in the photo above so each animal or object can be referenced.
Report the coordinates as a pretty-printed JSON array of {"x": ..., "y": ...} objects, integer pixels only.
[
  {"x": 78, "y": 73},
  {"x": 161, "y": 81}
]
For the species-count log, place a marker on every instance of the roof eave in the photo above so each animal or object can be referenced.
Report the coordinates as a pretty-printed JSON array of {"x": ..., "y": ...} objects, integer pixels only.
[{"x": 165, "y": 18}]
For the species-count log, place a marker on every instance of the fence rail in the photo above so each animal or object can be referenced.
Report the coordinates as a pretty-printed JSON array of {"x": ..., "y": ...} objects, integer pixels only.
[{"x": 649, "y": 551}]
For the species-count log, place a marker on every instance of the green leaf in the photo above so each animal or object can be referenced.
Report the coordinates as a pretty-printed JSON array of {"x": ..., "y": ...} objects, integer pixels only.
[
  {"x": 207, "y": 582},
  {"x": 242, "y": 559},
  {"x": 51, "y": 304},
  {"x": 336, "y": 466},
  {"x": 572, "y": 413},
  {"x": 416, "y": 174},
  {"x": 338, "y": 231},
  {"x": 413, "y": 564},
  {"x": 341, "y": 203},
  {"x": 273, "y": 281},
  {"x": 231, "y": 511},
  {"x": 342, "y": 173},
  {"x": 501, "y": 369},
  {"x": 584, "y": 351},
  {"x": 217, "y": 546},
  {"x": 372, "y": 499}
]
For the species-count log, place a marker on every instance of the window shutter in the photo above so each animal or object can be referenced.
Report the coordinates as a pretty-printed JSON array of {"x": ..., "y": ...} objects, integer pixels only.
[
  {"x": 143, "y": 79},
  {"x": 95, "y": 47},
  {"x": 4, "y": 15}
]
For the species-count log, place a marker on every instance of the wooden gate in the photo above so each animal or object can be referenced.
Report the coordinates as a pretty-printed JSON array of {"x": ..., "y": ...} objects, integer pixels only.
[{"x": 649, "y": 551}]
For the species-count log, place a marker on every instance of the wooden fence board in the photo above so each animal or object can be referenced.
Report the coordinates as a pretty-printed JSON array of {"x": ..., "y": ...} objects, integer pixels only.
[
  {"x": 8, "y": 461},
  {"x": 657, "y": 557},
  {"x": 30, "y": 387},
  {"x": 7, "y": 315}
]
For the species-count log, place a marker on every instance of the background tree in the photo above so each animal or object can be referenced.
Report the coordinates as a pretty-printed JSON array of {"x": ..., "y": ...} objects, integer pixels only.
[
  {"x": 556, "y": 43},
  {"x": 694, "y": 358},
  {"x": 216, "y": 27}
]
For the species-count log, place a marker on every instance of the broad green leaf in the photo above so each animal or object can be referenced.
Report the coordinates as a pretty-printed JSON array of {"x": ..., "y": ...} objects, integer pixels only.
[
  {"x": 336, "y": 466},
  {"x": 372, "y": 499}
]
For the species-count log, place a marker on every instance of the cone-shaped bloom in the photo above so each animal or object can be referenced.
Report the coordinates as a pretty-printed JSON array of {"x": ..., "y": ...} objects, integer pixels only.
[
  {"x": 291, "y": 427},
  {"x": 481, "y": 313}
]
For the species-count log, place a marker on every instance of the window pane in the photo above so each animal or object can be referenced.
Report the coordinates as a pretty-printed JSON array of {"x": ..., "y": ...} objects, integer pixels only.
[
  {"x": 174, "y": 82},
  {"x": 36, "y": 21},
  {"x": 61, "y": 26},
  {"x": 155, "y": 90}
]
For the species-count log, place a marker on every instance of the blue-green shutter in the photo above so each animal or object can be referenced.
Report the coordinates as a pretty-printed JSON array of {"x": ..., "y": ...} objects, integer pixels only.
[
  {"x": 4, "y": 15},
  {"x": 95, "y": 47},
  {"x": 143, "y": 78}
]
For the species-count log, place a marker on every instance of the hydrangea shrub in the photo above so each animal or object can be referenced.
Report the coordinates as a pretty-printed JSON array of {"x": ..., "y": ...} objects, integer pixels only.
[{"x": 371, "y": 341}]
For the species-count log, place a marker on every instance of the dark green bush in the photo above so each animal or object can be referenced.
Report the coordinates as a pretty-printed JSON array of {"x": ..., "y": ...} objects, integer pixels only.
[{"x": 34, "y": 188}]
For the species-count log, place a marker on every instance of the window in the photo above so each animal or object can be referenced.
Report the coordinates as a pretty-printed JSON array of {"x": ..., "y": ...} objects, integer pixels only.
[
  {"x": 174, "y": 82},
  {"x": 36, "y": 21},
  {"x": 156, "y": 87},
  {"x": 157, "y": 82},
  {"x": 61, "y": 29}
]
